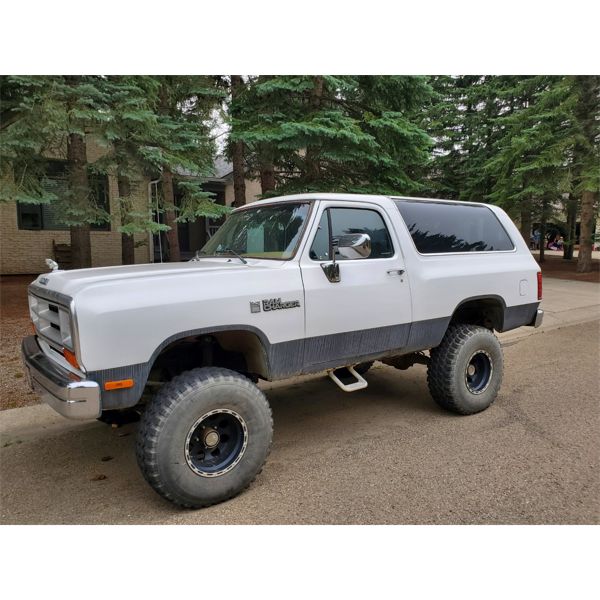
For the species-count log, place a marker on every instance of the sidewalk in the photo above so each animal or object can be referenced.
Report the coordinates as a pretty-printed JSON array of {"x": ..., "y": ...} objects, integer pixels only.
[
  {"x": 595, "y": 253},
  {"x": 564, "y": 303}
]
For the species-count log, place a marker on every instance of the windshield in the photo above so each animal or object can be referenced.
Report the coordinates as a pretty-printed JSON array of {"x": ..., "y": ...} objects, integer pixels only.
[{"x": 270, "y": 231}]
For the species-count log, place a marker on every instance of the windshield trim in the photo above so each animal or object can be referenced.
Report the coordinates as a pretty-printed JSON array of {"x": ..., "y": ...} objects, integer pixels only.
[{"x": 300, "y": 237}]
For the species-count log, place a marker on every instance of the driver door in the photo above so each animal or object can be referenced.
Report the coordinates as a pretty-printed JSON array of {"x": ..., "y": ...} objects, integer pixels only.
[{"x": 368, "y": 311}]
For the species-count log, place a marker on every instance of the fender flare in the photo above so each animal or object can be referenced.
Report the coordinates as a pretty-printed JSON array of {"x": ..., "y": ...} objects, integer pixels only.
[{"x": 126, "y": 398}]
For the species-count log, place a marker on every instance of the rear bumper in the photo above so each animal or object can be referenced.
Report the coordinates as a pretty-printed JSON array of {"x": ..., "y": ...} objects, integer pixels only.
[
  {"x": 71, "y": 397},
  {"x": 539, "y": 317}
]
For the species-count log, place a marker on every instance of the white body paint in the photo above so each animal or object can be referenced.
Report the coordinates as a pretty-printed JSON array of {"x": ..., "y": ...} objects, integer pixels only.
[{"x": 124, "y": 313}]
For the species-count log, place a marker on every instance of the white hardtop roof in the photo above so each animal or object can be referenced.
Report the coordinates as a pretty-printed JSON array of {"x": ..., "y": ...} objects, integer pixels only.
[{"x": 354, "y": 198}]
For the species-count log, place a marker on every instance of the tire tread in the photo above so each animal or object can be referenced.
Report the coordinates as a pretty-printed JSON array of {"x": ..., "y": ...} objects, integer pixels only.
[
  {"x": 158, "y": 410},
  {"x": 440, "y": 373}
]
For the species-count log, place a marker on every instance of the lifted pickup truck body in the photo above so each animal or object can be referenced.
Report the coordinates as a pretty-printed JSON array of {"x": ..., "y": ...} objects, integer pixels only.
[{"x": 103, "y": 334}]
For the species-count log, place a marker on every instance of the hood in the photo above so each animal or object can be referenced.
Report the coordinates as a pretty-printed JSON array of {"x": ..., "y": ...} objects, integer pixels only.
[{"x": 72, "y": 282}]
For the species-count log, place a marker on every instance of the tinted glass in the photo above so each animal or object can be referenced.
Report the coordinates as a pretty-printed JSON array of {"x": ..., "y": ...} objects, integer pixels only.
[
  {"x": 263, "y": 232},
  {"x": 438, "y": 228},
  {"x": 320, "y": 246},
  {"x": 352, "y": 220}
]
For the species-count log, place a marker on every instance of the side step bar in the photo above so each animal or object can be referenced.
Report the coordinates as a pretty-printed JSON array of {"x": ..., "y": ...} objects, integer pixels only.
[{"x": 347, "y": 379}]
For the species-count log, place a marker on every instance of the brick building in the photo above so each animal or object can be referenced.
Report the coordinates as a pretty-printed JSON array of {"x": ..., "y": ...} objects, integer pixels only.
[{"x": 29, "y": 233}]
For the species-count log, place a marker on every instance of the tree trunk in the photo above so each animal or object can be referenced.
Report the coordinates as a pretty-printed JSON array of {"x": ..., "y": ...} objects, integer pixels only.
[
  {"x": 587, "y": 114},
  {"x": 170, "y": 216},
  {"x": 267, "y": 177},
  {"x": 237, "y": 151},
  {"x": 571, "y": 227},
  {"x": 81, "y": 247},
  {"x": 586, "y": 236},
  {"x": 543, "y": 219},
  {"x": 313, "y": 171},
  {"x": 526, "y": 220},
  {"x": 127, "y": 242},
  {"x": 239, "y": 179},
  {"x": 166, "y": 107}
]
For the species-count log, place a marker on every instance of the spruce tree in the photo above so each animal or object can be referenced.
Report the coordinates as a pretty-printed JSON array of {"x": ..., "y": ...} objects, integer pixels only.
[
  {"x": 326, "y": 133},
  {"x": 45, "y": 117},
  {"x": 132, "y": 123},
  {"x": 586, "y": 92},
  {"x": 237, "y": 88},
  {"x": 154, "y": 126},
  {"x": 529, "y": 166},
  {"x": 183, "y": 143}
]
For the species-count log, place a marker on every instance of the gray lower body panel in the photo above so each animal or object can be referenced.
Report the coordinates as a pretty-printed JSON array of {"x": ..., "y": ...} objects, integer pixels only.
[
  {"x": 314, "y": 354},
  {"x": 311, "y": 355},
  {"x": 517, "y": 316}
]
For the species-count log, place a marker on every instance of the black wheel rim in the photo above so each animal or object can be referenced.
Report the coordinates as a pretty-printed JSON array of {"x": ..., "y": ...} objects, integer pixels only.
[
  {"x": 478, "y": 372},
  {"x": 216, "y": 442}
]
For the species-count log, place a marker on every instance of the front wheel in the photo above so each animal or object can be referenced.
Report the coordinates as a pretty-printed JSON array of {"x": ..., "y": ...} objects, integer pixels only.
[
  {"x": 204, "y": 437},
  {"x": 465, "y": 370}
]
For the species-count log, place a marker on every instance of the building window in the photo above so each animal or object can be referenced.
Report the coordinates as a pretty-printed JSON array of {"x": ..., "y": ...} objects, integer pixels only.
[{"x": 46, "y": 216}]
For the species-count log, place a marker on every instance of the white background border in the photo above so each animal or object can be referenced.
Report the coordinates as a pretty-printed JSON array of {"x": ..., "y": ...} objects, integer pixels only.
[{"x": 307, "y": 36}]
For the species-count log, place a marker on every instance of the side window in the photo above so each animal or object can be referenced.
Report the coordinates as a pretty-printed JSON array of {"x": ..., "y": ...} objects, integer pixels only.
[
  {"x": 352, "y": 220},
  {"x": 320, "y": 246},
  {"x": 437, "y": 227}
]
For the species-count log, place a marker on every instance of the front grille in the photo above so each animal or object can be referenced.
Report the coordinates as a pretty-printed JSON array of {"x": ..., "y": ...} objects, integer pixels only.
[{"x": 51, "y": 320}]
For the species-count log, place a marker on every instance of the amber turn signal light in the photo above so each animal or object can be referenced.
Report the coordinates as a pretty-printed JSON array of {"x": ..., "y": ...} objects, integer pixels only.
[
  {"x": 118, "y": 385},
  {"x": 71, "y": 359}
]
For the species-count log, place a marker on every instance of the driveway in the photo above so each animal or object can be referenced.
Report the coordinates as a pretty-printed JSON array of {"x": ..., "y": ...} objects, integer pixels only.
[{"x": 386, "y": 454}]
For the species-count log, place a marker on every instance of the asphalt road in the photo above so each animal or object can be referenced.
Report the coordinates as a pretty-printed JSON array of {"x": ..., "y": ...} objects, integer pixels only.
[{"x": 383, "y": 455}]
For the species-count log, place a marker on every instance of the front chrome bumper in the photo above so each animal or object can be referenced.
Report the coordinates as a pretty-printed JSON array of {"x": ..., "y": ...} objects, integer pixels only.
[
  {"x": 68, "y": 395},
  {"x": 539, "y": 317}
]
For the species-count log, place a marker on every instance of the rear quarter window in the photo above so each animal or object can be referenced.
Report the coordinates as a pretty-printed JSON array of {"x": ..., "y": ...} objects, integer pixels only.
[{"x": 439, "y": 228}]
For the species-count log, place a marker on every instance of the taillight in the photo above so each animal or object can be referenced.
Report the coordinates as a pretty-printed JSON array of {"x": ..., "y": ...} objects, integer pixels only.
[{"x": 539, "y": 275}]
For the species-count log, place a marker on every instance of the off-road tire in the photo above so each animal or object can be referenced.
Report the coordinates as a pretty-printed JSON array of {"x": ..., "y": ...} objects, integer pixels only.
[
  {"x": 168, "y": 419},
  {"x": 362, "y": 368},
  {"x": 447, "y": 371}
]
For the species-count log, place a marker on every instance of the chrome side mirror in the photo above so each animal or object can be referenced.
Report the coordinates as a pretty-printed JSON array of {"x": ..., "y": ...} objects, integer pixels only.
[
  {"x": 354, "y": 245},
  {"x": 350, "y": 246}
]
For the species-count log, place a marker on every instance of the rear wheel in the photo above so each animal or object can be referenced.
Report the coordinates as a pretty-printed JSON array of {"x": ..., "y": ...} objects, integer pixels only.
[
  {"x": 465, "y": 370},
  {"x": 204, "y": 437}
]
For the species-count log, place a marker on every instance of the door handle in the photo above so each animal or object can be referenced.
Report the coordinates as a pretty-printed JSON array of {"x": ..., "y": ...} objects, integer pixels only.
[{"x": 396, "y": 272}]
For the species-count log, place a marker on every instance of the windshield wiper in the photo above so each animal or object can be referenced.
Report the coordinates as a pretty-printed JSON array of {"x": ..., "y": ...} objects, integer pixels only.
[{"x": 230, "y": 251}]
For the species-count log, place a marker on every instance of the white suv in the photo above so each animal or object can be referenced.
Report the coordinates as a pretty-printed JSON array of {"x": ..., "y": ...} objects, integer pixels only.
[{"x": 291, "y": 285}]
